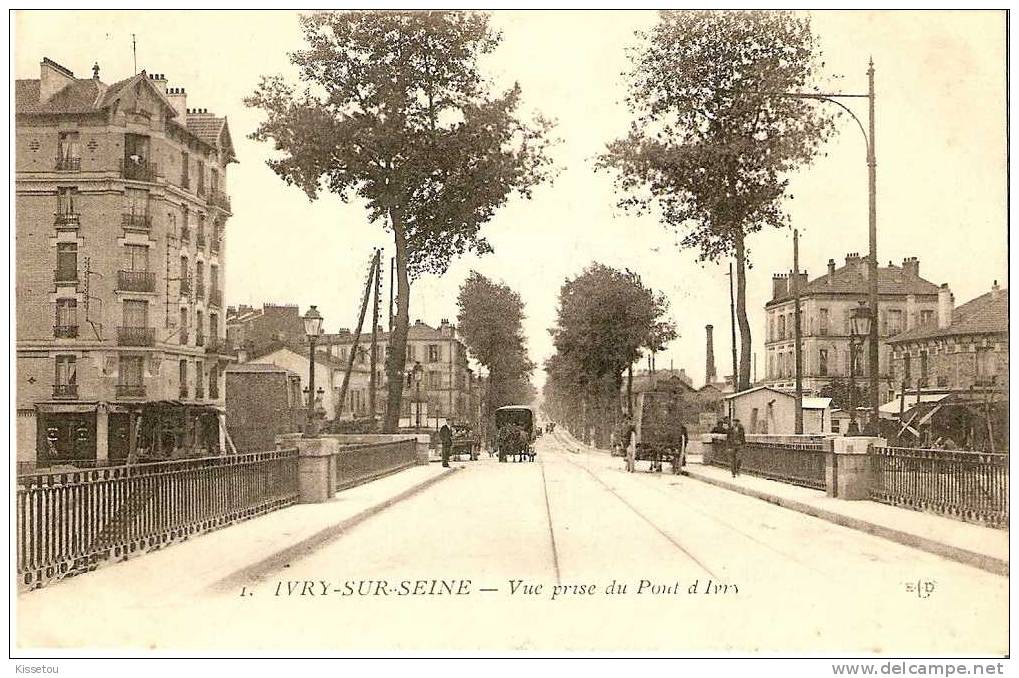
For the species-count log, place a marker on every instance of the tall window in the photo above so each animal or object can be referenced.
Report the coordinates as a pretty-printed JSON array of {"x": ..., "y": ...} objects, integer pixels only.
[
  {"x": 136, "y": 313},
  {"x": 67, "y": 370},
  {"x": 907, "y": 364},
  {"x": 68, "y": 150},
  {"x": 183, "y": 325},
  {"x": 200, "y": 277},
  {"x": 185, "y": 162},
  {"x": 213, "y": 325},
  {"x": 137, "y": 201},
  {"x": 182, "y": 375},
  {"x": 923, "y": 368},
  {"x": 136, "y": 149},
  {"x": 822, "y": 321},
  {"x": 136, "y": 258},
  {"x": 213, "y": 277},
  {"x": 894, "y": 321},
  {"x": 926, "y": 317},
  {"x": 213, "y": 179},
  {"x": 200, "y": 378},
  {"x": 201, "y": 177},
  {"x": 433, "y": 353},
  {"x": 131, "y": 370},
  {"x": 781, "y": 327},
  {"x": 410, "y": 352},
  {"x": 822, "y": 362},
  {"x": 987, "y": 365},
  {"x": 199, "y": 324},
  {"x": 66, "y": 200},
  {"x": 66, "y": 321},
  {"x": 67, "y": 261},
  {"x": 434, "y": 380}
]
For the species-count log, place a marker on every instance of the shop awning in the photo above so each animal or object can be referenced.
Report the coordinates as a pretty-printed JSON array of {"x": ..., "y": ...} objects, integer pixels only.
[{"x": 892, "y": 406}]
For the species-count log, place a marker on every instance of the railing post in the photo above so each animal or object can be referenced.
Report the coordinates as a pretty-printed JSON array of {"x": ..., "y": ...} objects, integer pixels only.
[
  {"x": 849, "y": 471},
  {"x": 316, "y": 469}
]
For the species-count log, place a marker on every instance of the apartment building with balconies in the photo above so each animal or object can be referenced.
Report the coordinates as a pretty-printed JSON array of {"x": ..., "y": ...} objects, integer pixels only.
[{"x": 120, "y": 219}]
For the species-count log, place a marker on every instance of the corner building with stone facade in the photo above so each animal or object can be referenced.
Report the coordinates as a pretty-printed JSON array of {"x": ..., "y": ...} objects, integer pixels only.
[{"x": 120, "y": 223}]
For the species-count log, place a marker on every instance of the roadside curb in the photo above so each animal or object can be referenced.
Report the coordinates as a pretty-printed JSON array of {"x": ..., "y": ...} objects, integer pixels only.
[
  {"x": 965, "y": 556},
  {"x": 255, "y": 571}
]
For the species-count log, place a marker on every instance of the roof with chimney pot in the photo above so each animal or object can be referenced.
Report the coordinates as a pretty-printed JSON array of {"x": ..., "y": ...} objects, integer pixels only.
[
  {"x": 987, "y": 314},
  {"x": 849, "y": 280},
  {"x": 90, "y": 95}
]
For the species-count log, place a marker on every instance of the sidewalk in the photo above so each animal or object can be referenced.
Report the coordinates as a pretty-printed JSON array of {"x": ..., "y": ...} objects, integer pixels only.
[
  {"x": 223, "y": 560},
  {"x": 982, "y": 547}
]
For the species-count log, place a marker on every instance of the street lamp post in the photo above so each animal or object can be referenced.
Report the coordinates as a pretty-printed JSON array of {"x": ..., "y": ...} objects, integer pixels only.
[
  {"x": 312, "y": 328},
  {"x": 872, "y": 287},
  {"x": 859, "y": 328}
]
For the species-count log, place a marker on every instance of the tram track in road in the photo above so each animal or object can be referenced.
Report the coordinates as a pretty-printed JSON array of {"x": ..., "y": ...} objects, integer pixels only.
[
  {"x": 654, "y": 485},
  {"x": 640, "y": 514}
]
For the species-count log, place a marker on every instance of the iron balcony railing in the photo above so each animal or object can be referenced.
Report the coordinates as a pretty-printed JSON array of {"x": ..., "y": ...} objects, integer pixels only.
[
  {"x": 130, "y": 391},
  {"x": 70, "y": 521},
  {"x": 136, "y": 336},
  {"x": 213, "y": 344},
  {"x": 199, "y": 394},
  {"x": 138, "y": 170},
  {"x": 199, "y": 339},
  {"x": 185, "y": 182},
  {"x": 200, "y": 290},
  {"x": 68, "y": 164},
  {"x": 67, "y": 220},
  {"x": 215, "y": 296},
  {"x": 65, "y": 391},
  {"x": 200, "y": 238},
  {"x": 65, "y": 275},
  {"x": 138, "y": 221},
  {"x": 214, "y": 244},
  {"x": 65, "y": 331},
  {"x": 136, "y": 281},
  {"x": 183, "y": 392},
  {"x": 183, "y": 337},
  {"x": 185, "y": 286},
  {"x": 219, "y": 199},
  {"x": 185, "y": 234},
  {"x": 213, "y": 392}
]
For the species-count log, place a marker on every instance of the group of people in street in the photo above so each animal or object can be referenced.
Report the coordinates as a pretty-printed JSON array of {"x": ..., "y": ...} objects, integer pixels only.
[{"x": 735, "y": 439}]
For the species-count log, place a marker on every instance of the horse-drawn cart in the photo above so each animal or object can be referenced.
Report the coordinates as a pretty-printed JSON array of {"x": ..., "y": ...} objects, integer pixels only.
[{"x": 661, "y": 433}]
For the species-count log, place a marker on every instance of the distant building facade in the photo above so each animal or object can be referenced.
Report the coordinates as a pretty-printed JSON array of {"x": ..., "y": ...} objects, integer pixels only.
[
  {"x": 905, "y": 301},
  {"x": 120, "y": 228},
  {"x": 255, "y": 331},
  {"x": 448, "y": 388},
  {"x": 965, "y": 351}
]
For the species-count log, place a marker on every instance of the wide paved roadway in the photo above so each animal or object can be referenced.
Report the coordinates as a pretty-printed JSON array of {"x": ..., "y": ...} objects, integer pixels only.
[
  {"x": 705, "y": 570},
  {"x": 764, "y": 578}
]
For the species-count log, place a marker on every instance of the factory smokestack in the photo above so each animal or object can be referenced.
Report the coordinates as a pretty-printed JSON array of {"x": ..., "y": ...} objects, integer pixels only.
[{"x": 709, "y": 368}]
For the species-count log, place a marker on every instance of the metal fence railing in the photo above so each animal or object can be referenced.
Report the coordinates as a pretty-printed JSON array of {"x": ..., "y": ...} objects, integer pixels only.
[
  {"x": 73, "y": 520},
  {"x": 795, "y": 463},
  {"x": 971, "y": 486},
  {"x": 362, "y": 462}
]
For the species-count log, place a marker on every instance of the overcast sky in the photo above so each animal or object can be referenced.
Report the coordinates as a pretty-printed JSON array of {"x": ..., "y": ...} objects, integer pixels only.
[{"x": 940, "y": 148}]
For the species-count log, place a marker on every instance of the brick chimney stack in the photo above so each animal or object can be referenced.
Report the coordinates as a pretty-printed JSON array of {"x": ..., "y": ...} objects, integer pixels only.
[
  {"x": 831, "y": 271},
  {"x": 911, "y": 265},
  {"x": 709, "y": 368},
  {"x": 52, "y": 78},
  {"x": 995, "y": 290},
  {"x": 946, "y": 305},
  {"x": 779, "y": 285}
]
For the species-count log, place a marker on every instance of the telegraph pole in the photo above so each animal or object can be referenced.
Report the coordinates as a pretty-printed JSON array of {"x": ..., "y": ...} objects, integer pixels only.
[
  {"x": 797, "y": 332},
  {"x": 373, "y": 358}
]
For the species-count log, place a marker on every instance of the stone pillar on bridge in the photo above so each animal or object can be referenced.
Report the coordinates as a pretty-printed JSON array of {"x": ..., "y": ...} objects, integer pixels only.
[
  {"x": 316, "y": 469},
  {"x": 848, "y": 470}
]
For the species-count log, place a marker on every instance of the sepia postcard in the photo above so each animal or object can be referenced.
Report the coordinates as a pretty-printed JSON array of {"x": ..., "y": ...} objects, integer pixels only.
[{"x": 506, "y": 333}]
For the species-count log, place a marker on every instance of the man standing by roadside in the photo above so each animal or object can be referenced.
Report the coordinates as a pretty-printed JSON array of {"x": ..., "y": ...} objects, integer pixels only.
[
  {"x": 446, "y": 438},
  {"x": 737, "y": 439},
  {"x": 630, "y": 445}
]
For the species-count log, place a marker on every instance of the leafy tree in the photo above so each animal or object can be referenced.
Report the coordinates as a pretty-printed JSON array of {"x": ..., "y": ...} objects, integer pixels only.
[
  {"x": 711, "y": 146},
  {"x": 395, "y": 112},
  {"x": 605, "y": 317},
  {"x": 490, "y": 320}
]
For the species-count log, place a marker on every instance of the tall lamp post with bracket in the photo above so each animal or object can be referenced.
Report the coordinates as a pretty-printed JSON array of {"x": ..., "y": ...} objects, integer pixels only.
[{"x": 312, "y": 329}]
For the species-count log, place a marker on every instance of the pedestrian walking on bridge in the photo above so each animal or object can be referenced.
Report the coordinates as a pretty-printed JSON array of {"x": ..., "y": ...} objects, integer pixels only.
[
  {"x": 446, "y": 438},
  {"x": 737, "y": 439}
]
